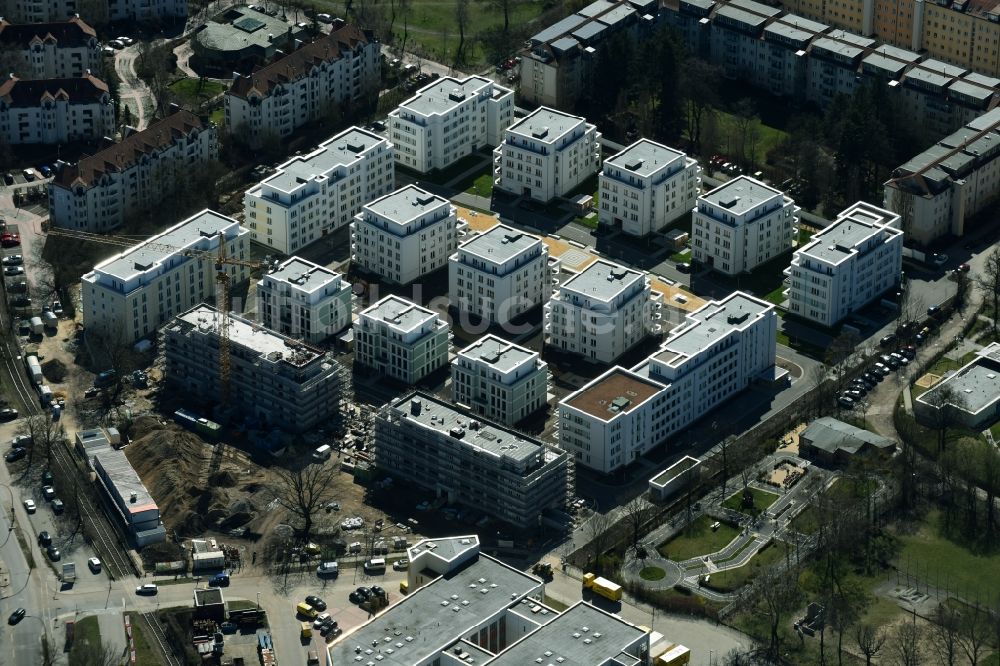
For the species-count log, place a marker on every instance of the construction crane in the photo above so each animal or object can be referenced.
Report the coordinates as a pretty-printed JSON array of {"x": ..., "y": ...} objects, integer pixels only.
[{"x": 222, "y": 280}]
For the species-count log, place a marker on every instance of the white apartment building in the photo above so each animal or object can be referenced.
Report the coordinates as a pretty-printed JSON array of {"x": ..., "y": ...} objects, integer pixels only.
[
  {"x": 499, "y": 380},
  {"x": 499, "y": 274},
  {"x": 61, "y": 50},
  {"x": 332, "y": 72},
  {"x": 401, "y": 339},
  {"x": 311, "y": 195},
  {"x": 647, "y": 186},
  {"x": 546, "y": 154},
  {"x": 742, "y": 224},
  {"x": 98, "y": 11},
  {"x": 304, "y": 300},
  {"x": 133, "y": 293},
  {"x": 602, "y": 312},
  {"x": 936, "y": 191},
  {"x": 847, "y": 265},
  {"x": 449, "y": 119},
  {"x": 405, "y": 235},
  {"x": 54, "y": 111},
  {"x": 100, "y": 191},
  {"x": 623, "y": 414}
]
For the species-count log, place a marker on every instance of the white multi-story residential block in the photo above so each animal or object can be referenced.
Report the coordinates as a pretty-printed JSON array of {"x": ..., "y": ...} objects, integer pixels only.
[
  {"x": 546, "y": 154},
  {"x": 847, "y": 265},
  {"x": 61, "y": 50},
  {"x": 312, "y": 195},
  {"x": 602, "y": 312},
  {"x": 304, "y": 300},
  {"x": 742, "y": 224},
  {"x": 332, "y": 72},
  {"x": 401, "y": 339},
  {"x": 500, "y": 274},
  {"x": 405, "y": 235},
  {"x": 55, "y": 110},
  {"x": 499, "y": 380},
  {"x": 623, "y": 414},
  {"x": 936, "y": 191},
  {"x": 277, "y": 382},
  {"x": 133, "y": 293},
  {"x": 102, "y": 190},
  {"x": 98, "y": 11},
  {"x": 449, "y": 119},
  {"x": 646, "y": 187}
]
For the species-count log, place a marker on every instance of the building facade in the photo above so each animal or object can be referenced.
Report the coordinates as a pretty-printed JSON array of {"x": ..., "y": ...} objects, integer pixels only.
[
  {"x": 602, "y": 312},
  {"x": 64, "y": 49},
  {"x": 499, "y": 274},
  {"x": 100, "y": 191},
  {"x": 499, "y": 380},
  {"x": 449, "y": 119},
  {"x": 401, "y": 340},
  {"x": 335, "y": 71},
  {"x": 716, "y": 353},
  {"x": 938, "y": 190},
  {"x": 742, "y": 224},
  {"x": 41, "y": 11},
  {"x": 487, "y": 467},
  {"x": 311, "y": 195},
  {"x": 546, "y": 155},
  {"x": 51, "y": 111},
  {"x": 134, "y": 293},
  {"x": 647, "y": 186},
  {"x": 304, "y": 301},
  {"x": 557, "y": 64},
  {"x": 405, "y": 235},
  {"x": 275, "y": 382},
  {"x": 847, "y": 265}
]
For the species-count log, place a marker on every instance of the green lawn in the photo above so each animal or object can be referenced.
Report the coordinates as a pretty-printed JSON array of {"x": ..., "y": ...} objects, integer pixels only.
[
  {"x": 733, "y": 579},
  {"x": 192, "y": 92},
  {"x": 652, "y": 573},
  {"x": 946, "y": 364},
  {"x": 591, "y": 221},
  {"x": 218, "y": 116},
  {"x": 482, "y": 186},
  {"x": 777, "y": 296},
  {"x": 444, "y": 176},
  {"x": 698, "y": 539},
  {"x": 86, "y": 632},
  {"x": 144, "y": 652},
  {"x": 761, "y": 500},
  {"x": 682, "y": 256},
  {"x": 807, "y": 522},
  {"x": 433, "y": 29},
  {"x": 995, "y": 429},
  {"x": 769, "y": 137},
  {"x": 930, "y": 555},
  {"x": 804, "y": 236}
]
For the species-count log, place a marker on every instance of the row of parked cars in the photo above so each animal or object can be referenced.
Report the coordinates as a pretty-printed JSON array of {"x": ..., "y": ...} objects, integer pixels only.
[{"x": 866, "y": 382}]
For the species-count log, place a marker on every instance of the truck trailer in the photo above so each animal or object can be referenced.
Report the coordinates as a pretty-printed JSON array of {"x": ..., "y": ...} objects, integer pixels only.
[{"x": 602, "y": 586}]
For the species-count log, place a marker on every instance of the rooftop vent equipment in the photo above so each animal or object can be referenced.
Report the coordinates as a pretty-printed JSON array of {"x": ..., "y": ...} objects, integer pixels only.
[
  {"x": 729, "y": 202},
  {"x": 540, "y": 133},
  {"x": 133, "y": 497},
  {"x": 634, "y": 165},
  {"x": 456, "y": 95}
]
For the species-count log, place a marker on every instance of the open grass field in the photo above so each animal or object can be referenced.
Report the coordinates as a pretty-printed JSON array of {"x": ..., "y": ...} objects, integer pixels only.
[
  {"x": 698, "y": 539},
  {"x": 734, "y": 579},
  {"x": 930, "y": 555},
  {"x": 86, "y": 632},
  {"x": 144, "y": 652},
  {"x": 761, "y": 500},
  {"x": 433, "y": 31},
  {"x": 192, "y": 92}
]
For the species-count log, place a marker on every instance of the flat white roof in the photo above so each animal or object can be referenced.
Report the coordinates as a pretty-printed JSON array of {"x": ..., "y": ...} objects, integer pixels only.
[
  {"x": 399, "y": 314},
  {"x": 603, "y": 281},
  {"x": 546, "y": 125},
  {"x": 303, "y": 275}
]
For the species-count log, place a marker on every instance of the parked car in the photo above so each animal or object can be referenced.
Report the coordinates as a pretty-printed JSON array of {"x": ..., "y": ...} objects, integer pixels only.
[
  {"x": 8, "y": 178},
  {"x": 29, "y": 505},
  {"x": 8, "y": 239},
  {"x": 888, "y": 340},
  {"x": 963, "y": 268},
  {"x": 860, "y": 389},
  {"x": 321, "y": 619},
  {"x": 378, "y": 592},
  {"x": 29, "y": 174},
  {"x": 15, "y": 454},
  {"x": 13, "y": 260},
  {"x": 327, "y": 569},
  {"x": 401, "y": 565},
  {"x": 316, "y": 602},
  {"x": 44, "y": 538},
  {"x": 16, "y": 616},
  {"x": 845, "y": 402},
  {"x": 900, "y": 358},
  {"x": 49, "y": 493},
  {"x": 147, "y": 589},
  {"x": 934, "y": 311},
  {"x": 53, "y": 553},
  {"x": 94, "y": 564},
  {"x": 116, "y": 45},
  {"x": 8, "y": 414},
  {"x": 45, "y": 170},
  {"x": 13, "y": 270},
  {"x": 57, "y": 506},
  {"x": 882, "y": 369},
  {"x": 853, "y": 394},
  {"x": 684, "y": 267}
]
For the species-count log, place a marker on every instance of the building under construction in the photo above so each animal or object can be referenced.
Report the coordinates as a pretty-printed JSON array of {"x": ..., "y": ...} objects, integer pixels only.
[
  {"x": 275, "y": 382},
  {"x": 453, "y": 452}
]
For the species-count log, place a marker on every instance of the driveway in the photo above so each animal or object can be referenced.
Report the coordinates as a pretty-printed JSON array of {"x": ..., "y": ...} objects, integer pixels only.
[{"x": 133, "y": 91}]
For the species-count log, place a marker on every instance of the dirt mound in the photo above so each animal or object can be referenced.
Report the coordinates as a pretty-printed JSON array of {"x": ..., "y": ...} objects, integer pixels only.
[{"x": 54, "y": 370}]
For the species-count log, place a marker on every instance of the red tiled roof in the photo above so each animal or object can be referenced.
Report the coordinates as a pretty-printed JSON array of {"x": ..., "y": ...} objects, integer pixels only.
[
  {"x": 129, "y": 150},
  {"x": 68, "y": 33},
  {"x": 298, "y": 63},
  {"x": 17, "y": 92}
]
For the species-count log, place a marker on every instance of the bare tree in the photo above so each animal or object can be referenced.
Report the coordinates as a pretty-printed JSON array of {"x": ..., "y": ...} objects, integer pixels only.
[
  {"x": 911, "y": 309},
  {"x": 869, "y": 640},
  {"x": 462, "y": 21},
  {"x": 975, "y": 632},
  {"x": 97, "y": 653},
  {"x": 963, "y": 285},
  {"x": 777, "y": 596},
  {"x": 304, "y": 491},
  {"x": 597, "y": 532},
  {"x": 945, "y": 625},
  {"x": 405, "y": 8},
  {"x": 988, "y": 280},
  {"x": 902, "y": 204},
  {"x": 635, "y": 513},
  {"x": 841, "y": 354},
  {"x": 505, "y": 7},
  {"x": 906, "y": 644},
  {"x": 45, "y": 435},
  {"x": 942, "y": 400}
]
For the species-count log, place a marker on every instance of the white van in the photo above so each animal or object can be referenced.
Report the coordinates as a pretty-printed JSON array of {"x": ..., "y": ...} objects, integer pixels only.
[
  {"x": 322, "y": 453},
  {"x": 376, "y": 565}
]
